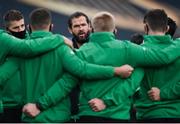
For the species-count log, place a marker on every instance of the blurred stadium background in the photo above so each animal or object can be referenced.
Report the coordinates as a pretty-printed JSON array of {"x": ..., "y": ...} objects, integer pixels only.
[{"x": 129, "y": 13}]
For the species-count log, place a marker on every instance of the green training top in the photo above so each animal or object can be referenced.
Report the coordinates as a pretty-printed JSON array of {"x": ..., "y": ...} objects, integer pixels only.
[
  {"x": 104, "y": 49},
  {"x": 166, "y": 78}
]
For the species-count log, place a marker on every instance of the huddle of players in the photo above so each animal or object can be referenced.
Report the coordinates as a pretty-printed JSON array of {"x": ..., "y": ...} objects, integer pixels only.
[{"x": 46, "y": 75}]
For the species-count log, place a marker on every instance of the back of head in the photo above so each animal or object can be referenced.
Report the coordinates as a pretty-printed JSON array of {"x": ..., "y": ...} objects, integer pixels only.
[
  {"x": 40, "y": 18},
  {"x": 156, "y": 20},
  {"x": 77, "y": 15},
  {"x": 103, "y": 22},
  {"x": 172, "y": 27},
  {"x": 12, "y": 15},
  {"x": 137, "y": 38}
]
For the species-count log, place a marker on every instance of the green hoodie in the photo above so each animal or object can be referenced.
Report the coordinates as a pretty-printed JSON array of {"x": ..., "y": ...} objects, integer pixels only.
[
  {"x": 166, "y": 78},
  {"x": 12, "y": 46},
  {"x": 104, "y": 49}
]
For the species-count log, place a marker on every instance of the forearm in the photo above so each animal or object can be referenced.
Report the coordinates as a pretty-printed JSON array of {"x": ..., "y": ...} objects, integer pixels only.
[
  {"x": 29, "y": 47},
  {"x": 82, "y": 69},
  {"x": 153, "y": 57},
  {"x": 58, "y": 91},
  {"x": 164, "y": 56}
]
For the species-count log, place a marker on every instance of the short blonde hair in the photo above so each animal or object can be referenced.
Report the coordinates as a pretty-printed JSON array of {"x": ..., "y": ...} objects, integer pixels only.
[{"x": 103, "y": 21}]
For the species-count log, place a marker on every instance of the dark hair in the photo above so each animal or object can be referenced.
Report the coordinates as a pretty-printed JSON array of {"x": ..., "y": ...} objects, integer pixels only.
[
  {"x": 76, "y": 15},
  {"x": 172, "y": 27},
  {"x": 157, "y": 19},
  {"x": 40, "y": 17},
  {"x": 12, "y": 15},
  {"x": 137, "y": 38}
]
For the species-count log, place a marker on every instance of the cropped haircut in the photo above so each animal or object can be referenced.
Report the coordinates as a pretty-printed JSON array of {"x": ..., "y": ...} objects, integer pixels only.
[
  {"x": 12, "y": 15},
  {"x": 103, "y": 21},
  {"x": 156, "y": 19},
  {"x": 40, "y": 17}
]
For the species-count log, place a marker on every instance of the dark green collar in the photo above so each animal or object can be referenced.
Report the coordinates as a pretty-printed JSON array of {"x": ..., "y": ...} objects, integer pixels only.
[
  {"x": 157, "y": 39},
  {"x": 101, "y": 37},
  {"x": 39, "y": 34}
]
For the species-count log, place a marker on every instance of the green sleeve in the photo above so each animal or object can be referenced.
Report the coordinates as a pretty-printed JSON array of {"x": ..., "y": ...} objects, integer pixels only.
[
  {"x": 142, "y": 56},
  {"x": 82, "y": 69},
  {"x": 58, "y": 91},
  {"x": 8, "y": 69},
  {"x": 125, "y": 89},
  {"x": 28, "y": 47},
  {"x": 171, "y": 92}
]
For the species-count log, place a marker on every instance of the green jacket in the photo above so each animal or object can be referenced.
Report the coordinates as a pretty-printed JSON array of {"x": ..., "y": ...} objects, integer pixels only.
[
  {"x": 104, "y": 49},
  {"x": 167, "y": 79},
  {"x": 12, "y": 95},
  {"x": 12, "y": 91},
  {"x": 172, "y": 91},
  {"x": 11, "y": 46},
  {"x": 40, "y": 73}
]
